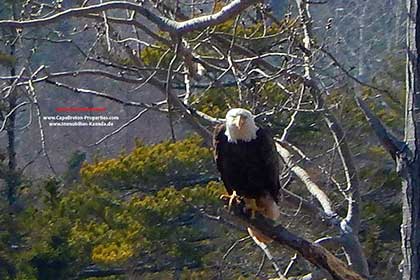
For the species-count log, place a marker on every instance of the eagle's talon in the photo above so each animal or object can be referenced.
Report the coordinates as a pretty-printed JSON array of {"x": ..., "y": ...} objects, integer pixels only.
[
  {"x": 231, "y": 198},
  {"x": 251, "y": 205}
]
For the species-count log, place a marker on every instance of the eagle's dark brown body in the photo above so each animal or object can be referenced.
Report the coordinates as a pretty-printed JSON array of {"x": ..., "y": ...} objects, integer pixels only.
[{"x": 249, "y": 168}]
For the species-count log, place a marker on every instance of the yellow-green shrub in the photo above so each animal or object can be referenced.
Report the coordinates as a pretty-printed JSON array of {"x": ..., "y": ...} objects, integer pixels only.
[{"x": 147, "y": 167}]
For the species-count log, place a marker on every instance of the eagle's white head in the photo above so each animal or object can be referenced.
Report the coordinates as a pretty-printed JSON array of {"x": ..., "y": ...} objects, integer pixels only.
[{"x": 240, "y": 125}]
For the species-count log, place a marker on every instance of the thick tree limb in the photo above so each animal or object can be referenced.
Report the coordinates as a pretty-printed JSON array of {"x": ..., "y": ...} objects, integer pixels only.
[
  {"x": 164, "y": 24},
  {"x": 353, "y": 211},
  {"x": 314, "y": 253},
  {"x": 408, "y": 162},
  {"x": 388, "y": 141},
  {"x": 313, "y": 188}
]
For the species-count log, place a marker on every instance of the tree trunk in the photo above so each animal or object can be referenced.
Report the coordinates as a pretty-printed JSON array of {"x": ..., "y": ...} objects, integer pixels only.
[
  {"x": 408, "y": 161},
  {"x": 11, "y": 176}
]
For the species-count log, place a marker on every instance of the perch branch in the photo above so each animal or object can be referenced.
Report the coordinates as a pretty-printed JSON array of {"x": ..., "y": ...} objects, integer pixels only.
[{"x": 314, "y": 253}]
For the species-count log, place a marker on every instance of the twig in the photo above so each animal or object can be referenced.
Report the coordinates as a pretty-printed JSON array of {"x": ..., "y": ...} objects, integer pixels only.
[
  {"x": 293, "y": 117},
  {"x": 11, "y": 112},
  {"x": 41, "y": 129},
  {"x": 13, "y": 85},
  {"x": 138, "y": 62},
  {"x": 267, "y": 252},
  {"x": 311, "y": 186},
  {"x": 230, "y": 60},
  {"x": 102, "y": 95},
  {"x": 348, "y": 74},
  {"x": 136, "y": 117},
  {"x": 234, "y": 245},
  {"x": 291, "y": 263},
  {"x": 168, "y": 89},
  {"x": 260, "y": 267},
  {"x": 108, "y": 40}
]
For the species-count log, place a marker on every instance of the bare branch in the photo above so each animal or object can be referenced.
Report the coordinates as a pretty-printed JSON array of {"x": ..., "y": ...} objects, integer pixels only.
[
  {"x": 12, "y": 87},
  {"x": 165, "y": 24},
  {"x": 235, "y": 244},
  {"x": 40, "y": 126},
  {"x": 313, "y": 188},
  {"x": 293, "y": 117},
  {"x": 350, "y": 225},
  {"x": 267, "y": 253},
  {"x": 260, "y": 267},
  {"x": 136, "y": 117},
  {"x": 168, "y": 89},
  {"x": 348, "y": 74},
  {"x": 388, "y": 141},
  {"x": 11, "y": 112},
  {"x": 102, "y": 95},
  {"x": 314, "y": 253}
]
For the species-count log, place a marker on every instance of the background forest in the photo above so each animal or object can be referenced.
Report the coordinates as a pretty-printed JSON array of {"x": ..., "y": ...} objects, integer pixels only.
[{"x": 140, "y": 199}]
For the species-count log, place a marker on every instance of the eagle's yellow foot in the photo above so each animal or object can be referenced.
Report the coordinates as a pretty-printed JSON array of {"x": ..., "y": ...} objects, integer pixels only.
[
  {"x": 251, "y": 204},
  {"x": 232, "y": 197}
]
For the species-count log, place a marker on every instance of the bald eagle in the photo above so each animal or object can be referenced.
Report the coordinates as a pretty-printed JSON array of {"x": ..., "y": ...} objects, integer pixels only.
[{"x": 247, "y": 160}]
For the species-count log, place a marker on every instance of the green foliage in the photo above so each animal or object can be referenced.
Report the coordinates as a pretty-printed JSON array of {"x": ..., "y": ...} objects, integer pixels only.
[
  {"x": 7, "y": 60},
  {"x": 152, "y": 55},
  {"x": 51, "y": 187},
  {"x": 381, "y": 235},
  {"x": 387, "y": 218},
  {"x": 91, "y": 223},
  {"x": 6, "y": 8},
  {"x": 113, "y": 230},
  {"x": 215, "y": 102},
  {"x": 256, "y": 29},
  {"x": 74, "y": 164},
  {"x": 150, "y": 166}
]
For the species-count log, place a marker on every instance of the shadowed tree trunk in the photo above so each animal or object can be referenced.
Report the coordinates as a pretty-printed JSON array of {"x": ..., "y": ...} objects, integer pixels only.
[
  {"x": 409, "y": 160},
  {"x": 11, "y": 176},
  {"x": 406, "y": 153}
]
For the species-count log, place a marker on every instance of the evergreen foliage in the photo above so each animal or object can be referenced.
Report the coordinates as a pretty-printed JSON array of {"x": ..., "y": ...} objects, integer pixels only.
[{"x": 91, "y": 223}]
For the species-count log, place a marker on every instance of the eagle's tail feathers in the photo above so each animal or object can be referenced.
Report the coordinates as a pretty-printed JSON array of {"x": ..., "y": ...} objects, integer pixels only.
[
  {"x": 271, "y": 209},
  {"x": 258, "y": 237}
]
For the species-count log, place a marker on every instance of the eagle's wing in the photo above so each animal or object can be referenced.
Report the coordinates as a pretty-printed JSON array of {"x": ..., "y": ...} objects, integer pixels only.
[
  {"x": 270, "y": 160},
  {"x": 219, "y": 142}
]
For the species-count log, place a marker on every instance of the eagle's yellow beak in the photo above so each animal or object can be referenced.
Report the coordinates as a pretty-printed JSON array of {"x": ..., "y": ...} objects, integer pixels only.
[{"x": 240, "y": 121}]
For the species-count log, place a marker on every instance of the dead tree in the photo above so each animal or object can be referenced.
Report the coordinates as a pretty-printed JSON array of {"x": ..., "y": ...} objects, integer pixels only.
[{"x": 406, "y": 153}]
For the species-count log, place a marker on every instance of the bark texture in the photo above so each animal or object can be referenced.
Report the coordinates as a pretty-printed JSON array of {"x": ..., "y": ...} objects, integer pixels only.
[
  {"x": 405, "y": 153},
  {"x": 408, "y": 160}
]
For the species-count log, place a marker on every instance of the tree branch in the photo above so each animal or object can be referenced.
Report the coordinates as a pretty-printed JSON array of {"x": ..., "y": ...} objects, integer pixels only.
[
  {"x": 388, "y": 141},
  {"x": 350, "y": 225},
  {"x": 313, "y": 188},
  {"x": 314, "y": 253},
  {"x": 164, "y": 24}
]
